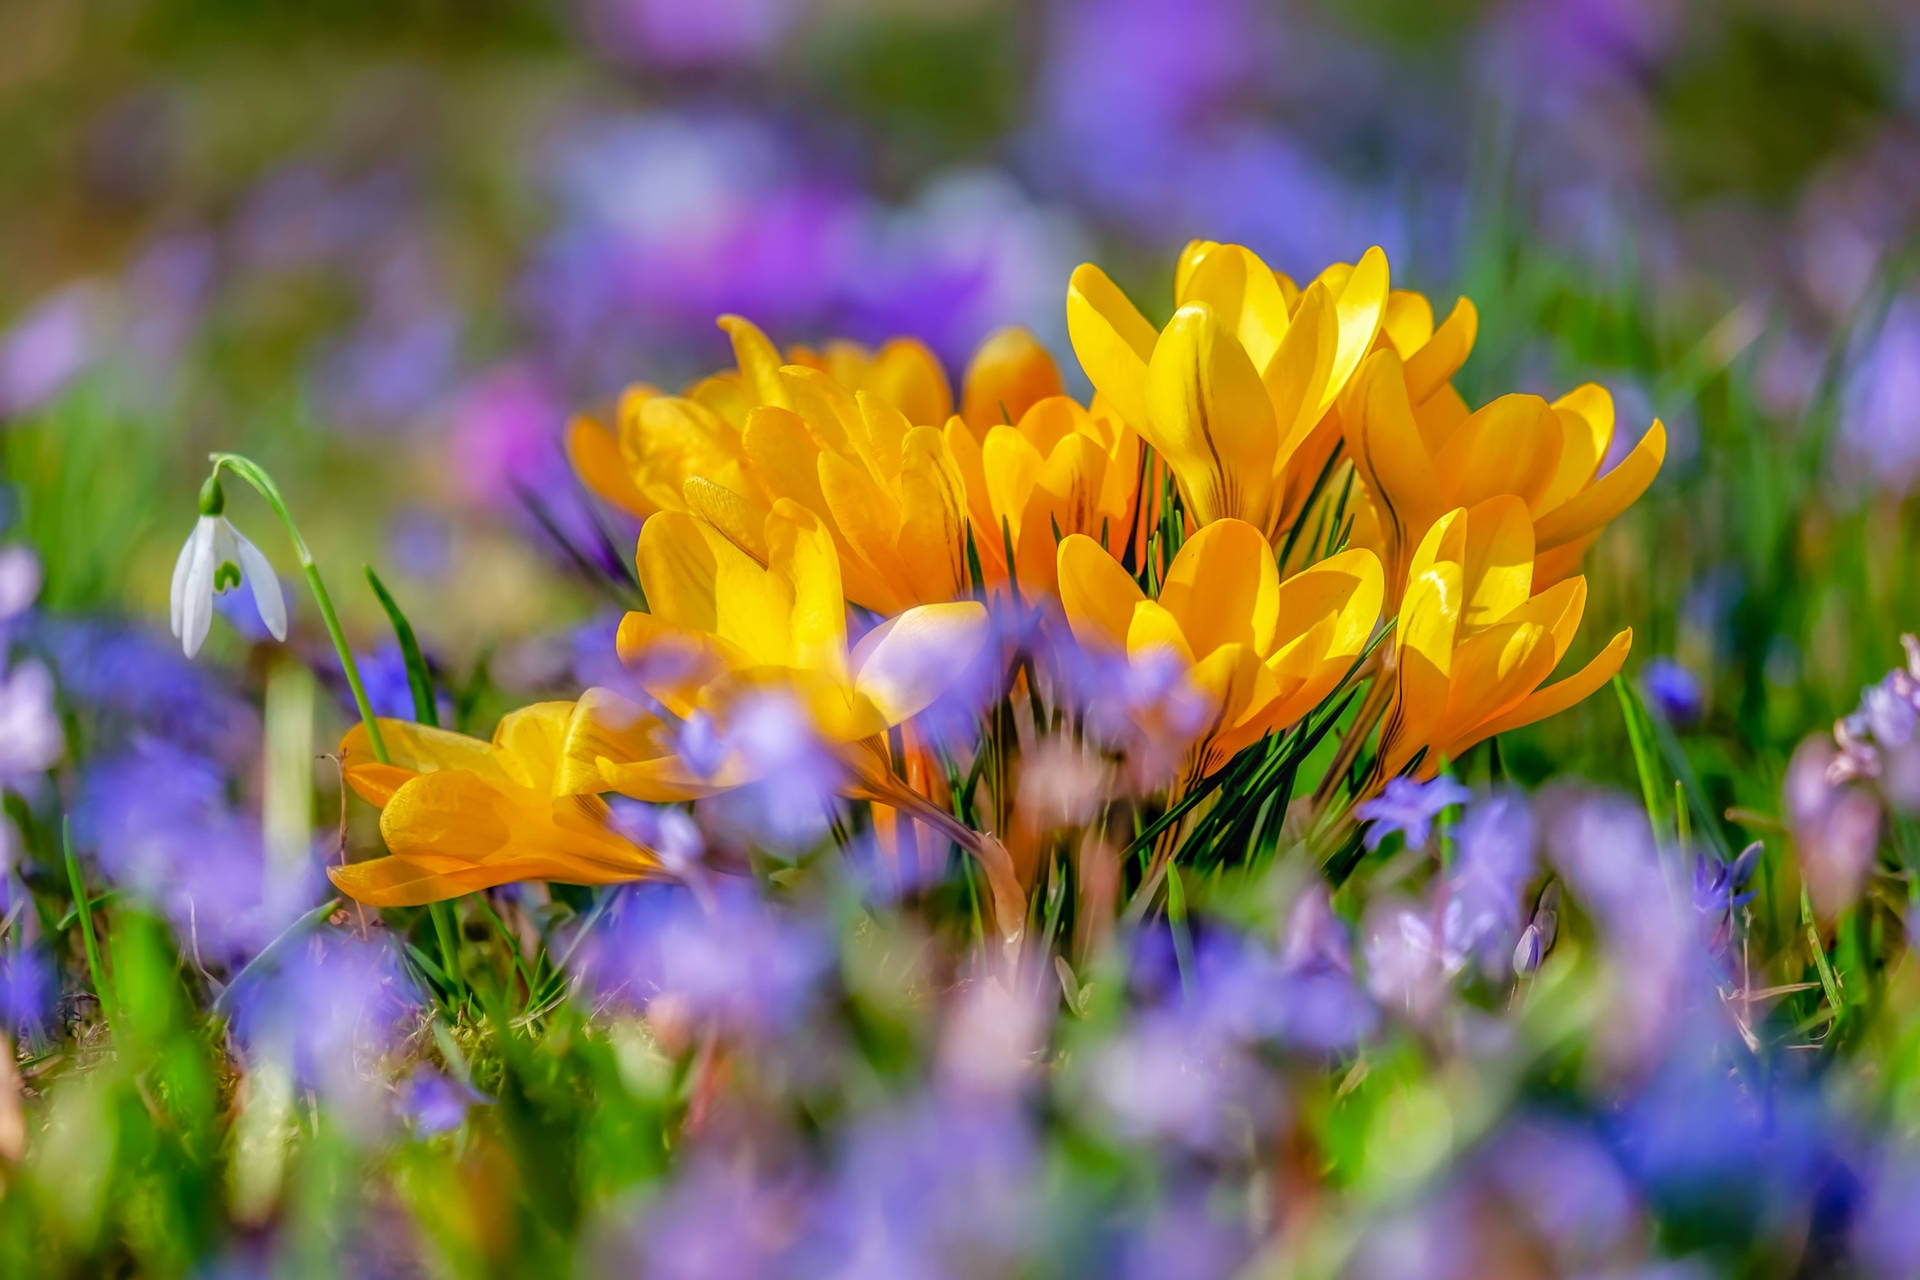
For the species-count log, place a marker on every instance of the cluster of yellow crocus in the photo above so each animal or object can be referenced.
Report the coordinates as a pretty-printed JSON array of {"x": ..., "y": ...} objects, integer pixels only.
[{"x": 778, "y": 492}]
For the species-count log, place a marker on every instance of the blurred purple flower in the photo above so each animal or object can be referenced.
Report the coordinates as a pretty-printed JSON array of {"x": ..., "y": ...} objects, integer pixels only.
[
  {"x": 127, "y": 681},
  {"x": 717, "y": 1219},
  {"x": 330, "y": 1008},
  {"x": 935, "y": 1188},
  {"x": 1493, "y": 860},
  {"x": 434, "y": 1103},
  {"x": 31, "y": 739},
  {"x": 744, "y": 965},
  {"x": 1185, "y": 1235},
  {"x": 27, "y": 992},
  {"x": 673, "y": 34},
  {"x": 48, "y": 346},
  {"x": 1673, "y": 690},
  {"x": 671, "y": 833},
  {"x": 20, "y": 580},
  {"x": 1409, "y": 807},
  {"x": 1878, "y": 444},
  {"x": 796, "y": 776},
  {"x": 157, "y": 820},
  {"x": 1162, "y": 1079},
  {"x": 1835, "y": 825}
]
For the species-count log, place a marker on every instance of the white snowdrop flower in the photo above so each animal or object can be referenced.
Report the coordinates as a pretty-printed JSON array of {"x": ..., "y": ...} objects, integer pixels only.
[{"x": 216, "y": 558}]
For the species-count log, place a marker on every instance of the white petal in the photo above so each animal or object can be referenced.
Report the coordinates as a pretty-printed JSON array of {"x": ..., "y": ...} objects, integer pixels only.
[
  {"x": 196, "y": 602},
  {"x": 180, "y": 566},
  {"x": 267, "y": 597}
]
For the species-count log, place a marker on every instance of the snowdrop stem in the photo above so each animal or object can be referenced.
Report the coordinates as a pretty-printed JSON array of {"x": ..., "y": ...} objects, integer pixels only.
[{"x": 251, "y": 472}]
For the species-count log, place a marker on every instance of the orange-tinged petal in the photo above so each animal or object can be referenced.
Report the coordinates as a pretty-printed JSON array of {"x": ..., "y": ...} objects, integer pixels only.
[
  {"x": 1510, "y": 446},
  {"x": 594, "y": 453},
  {"x": 416, "y": 748},
  {"x": 1434, "y": 363},
  {"x": 1493, "y": 670},
  {"x": 1360, "y": 305},
  {"x": 909, "y": 377},
  {"x": 739, "y": 519},
  {"x": 678, "y": 567},
  {"x": 1012, "y": 468},
  {"x": 1348, "y": 589},
  {"x": 1585, "y": 415},
  {"x": 1097, "y": 595},
  {"x": 1009, "y": 374},
  {"x": 1608, "y": 496},
  {"x": 1392, "y": 459},
  {"x": 758, "y": 358},
  {"x": 933, "y": 520},
  {"x": 1557, "y": 697},
  {"x": 1558, "y": 609},
  {"x": 1112, "y": 340},
  {"x": 1563, "y": 561},
  {"x": 1223, "y": 588},
  {"x": 674, "y": 663}
]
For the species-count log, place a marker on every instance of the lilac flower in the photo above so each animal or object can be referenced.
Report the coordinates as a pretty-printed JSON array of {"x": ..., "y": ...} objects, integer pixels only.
[
  {"x": 27, "y": 988},
  {"x": 937, "y": 1187},
  {"x": 1158, "y": 1081},
  {"x": 796, "y": 775},
  {"x": 1835, "y": 825},
  {"x": 434, "y": 1103},
  {"x": 1322, "y": 1005},
  {"x": 1409, "y": 807},
  {"x": 128, "y": 683},
  {"x": 1877, "y": 443},
  {"x": 670, "y": 833},
  {"x": 1717, "y": 885},
  {"x": 330, "y": 1008},
  {"x": 1494, "y": 845},
  {"x": 718, "y": 1218},
  {"x": 19, "y": 580},
  {"x": 667, "y": 33},
  {"x": 1881, "y": 738},
  {"x": 47, "y": 347},
  {"x": 157, "y": 820},
  {"x": 31, "y": 739},
  {"x": 743, "y": 965},
  {"x": 1673, "y": 690}
]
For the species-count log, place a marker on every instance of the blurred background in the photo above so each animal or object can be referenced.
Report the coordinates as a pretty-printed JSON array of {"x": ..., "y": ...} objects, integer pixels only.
[{"x": 385, "y": 247}]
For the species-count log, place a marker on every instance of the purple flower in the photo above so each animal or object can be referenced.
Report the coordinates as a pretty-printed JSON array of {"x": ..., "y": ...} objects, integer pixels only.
[
  {"x": 1877, "y": 443},
  {"x": 434, "y": 1103},
  {"x": 19, "y": 580},
  {"x": 718, "y": 1218},
  {"x": 731, "y": 960},
  {"x": 27, "y": 987},
  {"x": 1673, "y": 690},
  {"x": 1409, "y": 807},
  {"x": 1493, "y": 860},
  {"x": 330, "y": 1008},
  {"x": 47, "y": 347},
  {"x": 31, "y": 739},
  {"x": 1717, "y": 885},
  {"x": 129, "y": 683},
  {"x": 670, "y": 833},
  {"x": 669, "y": 33}
]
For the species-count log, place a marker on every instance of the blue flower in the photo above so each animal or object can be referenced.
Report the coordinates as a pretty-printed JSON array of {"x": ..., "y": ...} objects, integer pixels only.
[
  {"x": 1673, "y": 690},
  {"x": 1410, "y": 807}
]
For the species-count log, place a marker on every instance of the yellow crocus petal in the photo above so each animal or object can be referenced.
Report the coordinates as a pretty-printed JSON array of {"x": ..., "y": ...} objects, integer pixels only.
[
  {"x": 396, "y": 882},
  {"x": 830, "y": 411},
  {"x": 1296, "y": 375},
  {"x": 908, "y": 376},
  {"x": 1436, "y": 361},
  {"x": 1010, "y": 373},
  {"x": 452, "y": 819},
  {"x": 1012, "y": 466},
  {"x": 885, "y": 429},
  {"x": 738, "y": 518},
  {"x": 903, "y": 664},
  {"x": 1223, "y": 588},
  {"x": 1235, "y": 686},
  {"x": 1346, "y": 588},
  {"x": 411, "y": 749},
  {"x": 801, "y": 551},
  {"x": 1112, "y": 340},
  {"x": 1509, "y": 446},
  {"x": 933, "y": 522},
  {"x": 1408, "y": 323},
  {"x": 1556, "y": 697},
  {"x": 783, "y": 455},
  {"x": 1585, "y": 417},
  {"x": 1062, "y": 500},
  {"x": 1152, "y": 629},
  {"x": 1360, "y": 306},
  {"x": 1608, "y": 496},
  {"x": 1497, "y": 560},
  {"x": 529, "y": 740},
  {"x": 1424, "y": 634},
  {"x": 964, "y": 448},
  {"x": 1189, "y": 258},
  {"x": 1210, "y": 415},
  {"x": 758, "y": 358},
  {"x": 1392, "y": 458},
  {"x": 594, "y": 454},
  {"x": 1558, "y": 608},
  {"x": 668, "y": 440},
  {"x": 867, "y": 520},
  {"x": 1493, "y": 671},
  {"x": 677, "y": 569},
  {"x": 1097, "y": 595},
  {"x": 674, "y": 663},
  {"x": 1243, "y": 293}
]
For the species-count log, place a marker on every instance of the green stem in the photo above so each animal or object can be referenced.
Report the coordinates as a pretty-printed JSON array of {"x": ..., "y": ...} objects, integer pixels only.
[
  {"x": 253, "y": 474},
  {"x": 85, "y": 908}
]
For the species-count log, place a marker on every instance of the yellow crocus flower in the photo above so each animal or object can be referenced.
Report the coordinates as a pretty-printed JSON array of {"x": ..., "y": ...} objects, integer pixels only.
[
  {"x": 1260, "y": 652},
  {"x": 1473, "y": 644},
  {"x": 1420, "y": 453},
  {"x": 722, "y": 622},
  {"x": 460, "y": 814},
  {"x": 1231, "y": 391}
]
